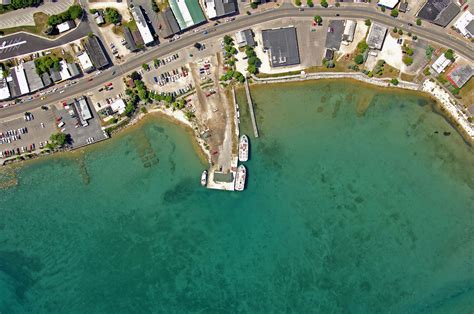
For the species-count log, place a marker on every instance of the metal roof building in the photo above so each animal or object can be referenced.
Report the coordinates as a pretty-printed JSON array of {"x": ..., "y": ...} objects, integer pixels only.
[
  {"x": 245, "y": 38},
  {"x": 188, "y": 13},
  {"x": 65, "y": 26},
  {"x": 349, "y": 30},
  {"x": 142, "y": 25},
  {"x": 460, "y": 75},
  {"x": 282, "y": 45},
  {"x": 4, "y": 90},
  {"x": 46, "y": 79},
  {"x": 55, "y": 75},
  {"x": 220, "y": 8},
  {"x": 129, "y": 38},
  {"x": 376, "y": 36},
  {"x": 439, "y": 12},
  {"x": 34, "y": 80},
  {"x": 65, "y": 75},
  {"x": 21, "y": 79},
  {"x": 169, "y": 25},
  {"x": 73, "y": 70},
  {"x": 83, "y": 110},
  {"x": 96, "y": 52}
]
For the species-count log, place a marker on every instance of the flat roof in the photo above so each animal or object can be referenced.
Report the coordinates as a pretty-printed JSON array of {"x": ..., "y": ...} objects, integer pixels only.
[
  {"x": 349, "y": 30},
  {"x": 282, "y": 44},
  {"x": 188, "y": 13},
  {"x": 21, "y": 79},
  {"x": 83, "y": 109},
  {"x": 129, "y": 38},
  {"x": 65, "y": 75},
  {"x": 219, "y": 8},
  {"x": 34, "y": 80},
  {"x": 440, "y": 64},
  {"x": 245, "y": 38},
  {"x": 464, "y": 23},
  {"x": 376, "y": 36},
  {"x": 4, "y": 90},
  {"x": 85, "y": 61},
  {"x": 142, "y": 25},
  {"x": 46, "y": 79},
  {"x": 168, "y": 23},
  {"x": 96, "y": 52},
  {"x": 65, "y": 26},
  {"x": 118, "y": 106},
  {"x": 73, "y": 69},
  {"x": 390, "y": 4},
  {"x": 439, "y": 12},
  {"x": 13, "y": 85}
]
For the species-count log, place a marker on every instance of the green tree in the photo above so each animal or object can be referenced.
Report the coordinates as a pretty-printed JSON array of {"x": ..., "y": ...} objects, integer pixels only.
[
  {"x": 359, "y": 59},
  {"x": 112, "y": 16},
  {"x": 228, "y": 40},
  {"x": 337, "y": 4},
  {"x": 75, "y": 11},
  {"x": 449, "y": 54},
  {"x": 362, "y": 46},
  {"x": 324, "y": 3},
  {"x": 418, "y": 22},
  {"x": 407, "y": 60},
  {"x": 395, "y": 30},
  {"x": 429, "y": 52},
  {"x": 318, "y": 19},
  {"x": 394, "y": 13},
  {"x": 253, "y": 5},
  {"x": 309, "y": 3},
  {"x": 58, "y": 139},
  {"x": 298, "y": 2},
  {"x": 154, "y": 6},
  {"x": 400, "y": 32},
  {"x": 394, "y": 81},
  {"x": 145, "y": 66},
  {"x": 368, "y": 22}
]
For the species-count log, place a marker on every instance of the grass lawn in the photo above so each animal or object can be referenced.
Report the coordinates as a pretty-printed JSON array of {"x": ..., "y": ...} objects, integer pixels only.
[
  {"x": 41, "y": 20},
  {"x": 132, "y": 25}
]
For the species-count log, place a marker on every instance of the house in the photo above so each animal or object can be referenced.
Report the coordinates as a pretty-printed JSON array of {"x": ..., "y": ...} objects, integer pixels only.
[
  {"x": 349, "y": 30},
  {"x": 188, "y": 13},
  {"x": 282, "y": 46},
  {"x": 85, "y": 62},
  {"x": 439, "y": 12},
  {"x": 245, "y": 38},
  {"x": 389, "y": 4},
  {"x": 55, "y": 75},
  {"x": 376, "y": 36},
  {"x": 129, "y": 39},
  {"x": 219, "y": 8},
  {"x": 440, "y": 64},
  {"x": 96, "y": 52},
  {"x": 168, "y": 24},
  {"x": 118, "y": 106},
  {"x": 34, "y": 80},
  {"x": 142, "y": 25},
  {"x": 99, "y": 17},
  {"x": 65, "y": 26},
  {"x": 65, "y": 75},
  {"x": 465, "y": 24},
  {"x": 460, "y": 75}
]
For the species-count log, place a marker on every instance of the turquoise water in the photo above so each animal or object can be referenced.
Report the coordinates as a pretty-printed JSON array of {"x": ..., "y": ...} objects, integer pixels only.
[{"x": 354, "y": 205}]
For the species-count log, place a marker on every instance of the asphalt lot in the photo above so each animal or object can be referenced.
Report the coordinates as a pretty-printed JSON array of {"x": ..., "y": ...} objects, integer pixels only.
[
  {"x": 430, "y": 33},
  {"x": 335, "y": 30},
  {"x": 80, "y": 134},
  {"x": 36, "y": 133}
]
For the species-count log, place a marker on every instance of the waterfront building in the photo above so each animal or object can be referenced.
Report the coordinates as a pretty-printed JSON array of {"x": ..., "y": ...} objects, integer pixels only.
[
  {"x": 219, "y": 8},
  {"x": 376, "y": 36},
  {"x": 440, "y": 64},
  {"x": 282, "y": 46},
  {"x": 465, "y": 24},
  {"x": 460, "y": 75},
  {"x": 118, "y": 106},
  {"x": 188, "y": 13},
  {"x": 46, "y": 79},
  {"x": 439, "y": 12},
  {"x": 142, "y": 25},
  {"x": 83, "y": 110}
]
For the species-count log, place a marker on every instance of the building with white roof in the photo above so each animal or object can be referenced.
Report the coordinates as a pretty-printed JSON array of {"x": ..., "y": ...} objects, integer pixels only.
[
  {"x": 465, "y": 24},
  {"x": 21, "y": 79},
  {"x": 83, "y": 109},
  {"x": 118, "y": 106},
  {"x": 65, "y": 26},
  {"x": 85, "y": 61},
  {"x": 389, "y": 4},
  {"x": 65, "y": 75},
  {"x": 349, "y": 30},
  {"x": 4, "y": 90},
  {"x": 440, "y": 64},
  {"x": 142, "y": 25}
]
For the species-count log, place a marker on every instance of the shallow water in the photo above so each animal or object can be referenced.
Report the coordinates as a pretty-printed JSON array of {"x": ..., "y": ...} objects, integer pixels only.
[{"x": 354, "y": 204}]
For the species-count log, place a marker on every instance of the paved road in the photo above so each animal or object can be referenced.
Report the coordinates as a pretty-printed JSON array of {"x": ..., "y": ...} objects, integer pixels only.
[{"x": 427, "y": 31}]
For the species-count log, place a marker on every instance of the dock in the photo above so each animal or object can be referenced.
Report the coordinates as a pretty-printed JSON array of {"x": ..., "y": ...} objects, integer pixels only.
[{"x": 252, "y": 113}]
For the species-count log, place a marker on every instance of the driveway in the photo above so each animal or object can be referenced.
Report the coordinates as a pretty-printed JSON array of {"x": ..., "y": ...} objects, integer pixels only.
[{"x": 24, "y": 17}]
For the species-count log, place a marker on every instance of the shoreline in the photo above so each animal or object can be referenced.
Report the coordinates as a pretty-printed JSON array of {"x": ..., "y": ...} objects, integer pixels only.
[{"x": 444, "y": 102}]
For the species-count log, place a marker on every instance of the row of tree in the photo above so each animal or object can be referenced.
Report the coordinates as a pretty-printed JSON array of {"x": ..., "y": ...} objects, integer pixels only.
[
  {"x": 74, "y": 12},
  {"x": 20, "y": 4},
  {"x": 44, "y": 64}
]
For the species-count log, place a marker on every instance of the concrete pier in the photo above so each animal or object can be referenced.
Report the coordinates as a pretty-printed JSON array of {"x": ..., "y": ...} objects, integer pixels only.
[{"x": 252, "y": 113}]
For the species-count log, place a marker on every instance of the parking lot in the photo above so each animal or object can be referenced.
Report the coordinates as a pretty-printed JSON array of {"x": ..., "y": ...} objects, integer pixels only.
[
  {"x": 80, "y": 135},
  {"x": 26, "y": 135},
  {"x": 102, "y": 95}
]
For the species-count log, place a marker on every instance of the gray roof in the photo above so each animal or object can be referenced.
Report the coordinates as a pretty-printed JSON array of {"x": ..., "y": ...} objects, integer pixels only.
[
  {"x": 283, "y": 46},
  {"x": 334, "y": 37},
  {"x": 13, "y": 85},
  {"x": 96, "y": 52},
  {"x": 329, "y": 54},
  {"x": 225, "y": 7},
  {"x": 376, "y": 36},
  {"x": 34, "y": 80},
  {"x": 168, "y": 24},
  {"x": 73, "y": 69},
  {"x": 247, "y": 38},
  {"x": 470, "y": 27},
  {"x": 460, "y": 75},
  {"x": 55, "y": 76},
  {"x": 46, "y": 79},
  {"x": 129, "y": 38},
  {"x": 403, "y": 7},
  {"x": 439, "y": 12}
]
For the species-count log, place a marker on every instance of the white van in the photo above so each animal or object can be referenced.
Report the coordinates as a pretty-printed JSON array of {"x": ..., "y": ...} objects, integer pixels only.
[{"x": 61, "y": 124}]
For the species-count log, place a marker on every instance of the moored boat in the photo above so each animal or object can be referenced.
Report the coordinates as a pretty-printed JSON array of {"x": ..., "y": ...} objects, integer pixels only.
[
  {"x": 243, "y": 148},
  {"x": 240, "y": 178},
  {"x": 204, "y": 178}
]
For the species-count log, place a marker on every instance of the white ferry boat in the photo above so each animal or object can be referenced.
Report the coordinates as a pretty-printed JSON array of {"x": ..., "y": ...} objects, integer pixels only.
[
  {"x": 204, "y": 178},
  {"x": 244, "y": 148},
  {"x": 240, "y": 178}
]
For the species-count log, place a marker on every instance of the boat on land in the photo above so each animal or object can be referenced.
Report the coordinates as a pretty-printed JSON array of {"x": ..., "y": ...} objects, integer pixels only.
[
  {"x": 204, "y": 178},
  {"x": 244, "y": 148},
  {"x": 240, "y": 178}
]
